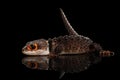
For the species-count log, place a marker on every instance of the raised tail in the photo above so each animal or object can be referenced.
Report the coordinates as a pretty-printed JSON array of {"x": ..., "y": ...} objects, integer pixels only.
[{"x": 67, "y": 24}]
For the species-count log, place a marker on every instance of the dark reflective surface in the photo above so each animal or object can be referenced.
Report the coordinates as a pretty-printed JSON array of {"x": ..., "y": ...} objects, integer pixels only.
[
  {"x": 38, "y": 62},
  {"x": 75, "y": 67},
  {"x": 72, "y": 63},
  {"x": 67, "y": 66},
  {"x": 63, "y": 63}
]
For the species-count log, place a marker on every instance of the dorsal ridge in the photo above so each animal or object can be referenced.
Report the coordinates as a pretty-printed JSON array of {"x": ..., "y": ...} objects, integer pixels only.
[{"x": 67, "y": 24}]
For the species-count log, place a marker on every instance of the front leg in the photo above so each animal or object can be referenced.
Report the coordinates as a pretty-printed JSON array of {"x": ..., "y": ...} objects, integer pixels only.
[
  {"x": 53, "y": 55},
  {"x": 56, "y": 52}
]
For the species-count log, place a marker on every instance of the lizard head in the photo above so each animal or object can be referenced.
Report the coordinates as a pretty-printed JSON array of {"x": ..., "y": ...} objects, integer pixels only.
[{"x": 36, "y": 47}]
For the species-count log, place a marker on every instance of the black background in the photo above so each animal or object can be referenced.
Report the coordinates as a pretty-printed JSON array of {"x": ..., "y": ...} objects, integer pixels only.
[{"x": 98, "y": 21}]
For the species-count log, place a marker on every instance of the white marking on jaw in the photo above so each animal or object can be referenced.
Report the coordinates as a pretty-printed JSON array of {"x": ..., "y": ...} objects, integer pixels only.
[{"x": 37, "y": 52}]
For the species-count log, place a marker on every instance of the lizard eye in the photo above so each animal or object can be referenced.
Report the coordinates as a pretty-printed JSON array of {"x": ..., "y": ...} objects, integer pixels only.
[
  {"x": 35, "y": 46},
  {"x": 32, "y": 65},
  {"x": 32, "y": 47}
]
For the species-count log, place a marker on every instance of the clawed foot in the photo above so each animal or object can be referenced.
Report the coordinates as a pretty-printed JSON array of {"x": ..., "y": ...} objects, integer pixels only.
[
  {"x": 106, "y": 53},
  {"x": 53, "y": 55}
]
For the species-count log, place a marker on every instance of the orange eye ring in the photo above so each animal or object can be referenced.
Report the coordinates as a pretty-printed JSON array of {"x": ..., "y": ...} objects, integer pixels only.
[
  {"x": 36, "y": 46},
  {"x": 32, "y": 47}
]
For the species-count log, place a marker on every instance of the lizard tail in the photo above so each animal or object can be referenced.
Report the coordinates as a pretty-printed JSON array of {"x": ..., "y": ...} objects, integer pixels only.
[
  {"x": 106, "y": 53},
  {"x": 67, "y": 24}
]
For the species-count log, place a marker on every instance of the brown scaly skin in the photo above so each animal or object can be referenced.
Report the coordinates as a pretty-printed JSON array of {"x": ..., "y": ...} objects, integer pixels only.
[
  {"x": 75, "y": 45},
  {"x": 72, "y": 45}
]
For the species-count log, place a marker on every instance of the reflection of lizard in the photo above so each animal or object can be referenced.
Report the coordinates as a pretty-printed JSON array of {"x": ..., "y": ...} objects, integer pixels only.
[{"x": 68, "y": 44}]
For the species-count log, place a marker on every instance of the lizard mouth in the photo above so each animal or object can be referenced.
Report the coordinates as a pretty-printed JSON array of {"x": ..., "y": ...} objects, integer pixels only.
[{"x": 36, "y": 52}]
